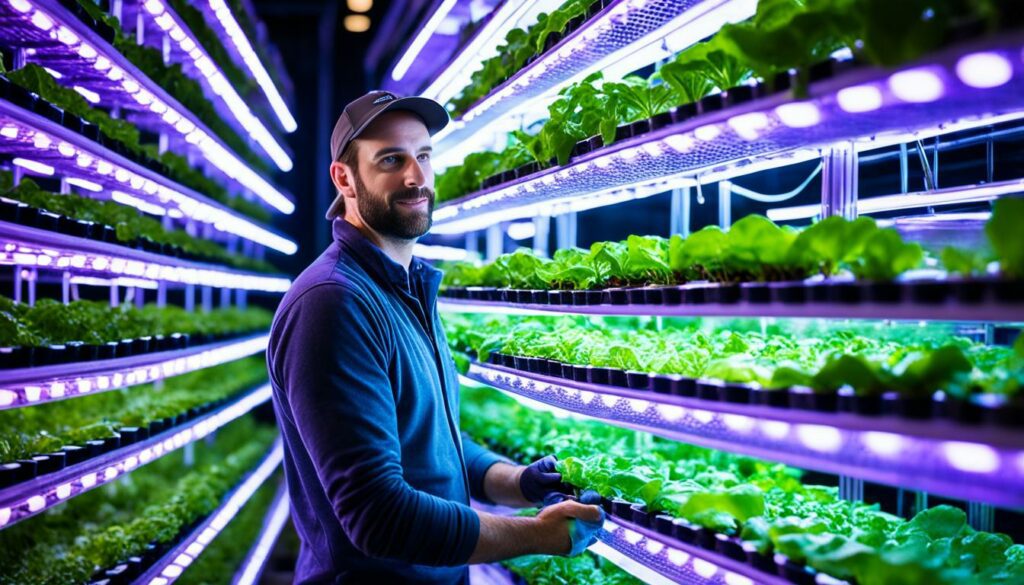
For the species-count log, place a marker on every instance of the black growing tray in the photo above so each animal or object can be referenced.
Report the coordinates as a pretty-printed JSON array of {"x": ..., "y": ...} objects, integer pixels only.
[
  {"x": 75, "y": 352},
  {"x": 938, "y": 406},
  {"x": 15, "y": 472}
]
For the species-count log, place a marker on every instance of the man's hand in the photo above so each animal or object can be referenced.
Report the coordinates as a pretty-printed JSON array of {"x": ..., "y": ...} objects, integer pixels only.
[
  {"x": 560, "y": 529},
  {"x": 539, "y": 479}
]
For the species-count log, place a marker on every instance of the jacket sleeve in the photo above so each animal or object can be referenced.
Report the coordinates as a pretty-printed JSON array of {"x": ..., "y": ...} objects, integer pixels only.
[
  {"x": 330, "y": 357},
  {"x": 478, "y": 461}
]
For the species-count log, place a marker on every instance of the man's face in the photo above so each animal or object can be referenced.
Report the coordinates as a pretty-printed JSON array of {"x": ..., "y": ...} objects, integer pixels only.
[{"x": 394, "y": 183}]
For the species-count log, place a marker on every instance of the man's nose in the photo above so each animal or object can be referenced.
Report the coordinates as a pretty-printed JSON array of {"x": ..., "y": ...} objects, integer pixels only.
[{"x": 414, "y": 175}]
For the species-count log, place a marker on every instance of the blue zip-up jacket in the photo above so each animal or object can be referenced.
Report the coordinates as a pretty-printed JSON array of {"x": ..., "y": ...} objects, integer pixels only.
[{"x": 367, "y": 398}]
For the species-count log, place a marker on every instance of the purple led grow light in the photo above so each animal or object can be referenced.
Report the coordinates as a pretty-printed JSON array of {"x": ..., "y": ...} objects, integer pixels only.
[
  {"x": 34, "y": 138},
  {"x": 976, "y": 463},
  {"x": 678, "y": 561},
  {"x": 254, "y": 563},
  {"x": 173, "y": 564},
  {"x": 869, "y": 106},
  {"x": 86, "y": 60},
  {"x": 29, "y": 498},
  {"x": 634, "y": 33},
  {"x": 30, "y": 386},
  {"x": 948, "y": 311},
  {"x": 26, "y": 246},
  {"x": 161, "y": 20}
]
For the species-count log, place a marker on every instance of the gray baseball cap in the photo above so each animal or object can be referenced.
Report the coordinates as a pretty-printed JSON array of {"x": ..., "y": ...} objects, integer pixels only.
[{"x": 361, "y": 112}]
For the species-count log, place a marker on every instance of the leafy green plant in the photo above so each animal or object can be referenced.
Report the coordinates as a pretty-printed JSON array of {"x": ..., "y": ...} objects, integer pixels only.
[
  {"x": 1006, "y": 236},
  {"x": 48, "y": 427},
  {"x": 51, "y": 322},
  {"x": 129, "y": 223},
  {"x": 69, "y": 543},
  {"x": 765, "y": 505},
  {"x": 37, "y": 80}
]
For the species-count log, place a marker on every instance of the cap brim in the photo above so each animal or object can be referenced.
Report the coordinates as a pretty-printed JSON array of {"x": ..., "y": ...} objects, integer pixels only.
[{"x": 432, "y": 113}]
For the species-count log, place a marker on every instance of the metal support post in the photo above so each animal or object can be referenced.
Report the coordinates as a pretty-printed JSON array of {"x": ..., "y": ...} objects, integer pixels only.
[
  {"x": 190, "y": 297},
  {"x": 163, "y": 143},
  {"x": 495, "y": 241},
  {"x": 165, "y": 49},
  {"x": 65, "y": 188},
  {"x": 188, "y": 454},
  {"x": 981, "y": 516},
  {"x": 679, "y": 216},
  {"x": 116, "y": 8},
  {"x": 17, "y": 283},
  {"x": 926, "y": 167},
  {"x": 115, "y": 299},
  {"x": 920, "y": 501},
  {"x": 140, "y": 297},
  {"x": 724, "y": 204},
  {"x": 225, "y": 298},
  {"x": 33, "y": 276},
  {"x": 242, "y": 299},
  {"x": 65, "y": 287},
  {"x": 904, "y": 169},
  {"x": 541, "y": 234},
  {"x": 851, "y": 489},
  {"x": 566, "y": 230},
  {"x": 161, "y": 294},
  {"x": 207, "y": 299},
  {"x": 140, "y": 30},
  {"x": 990, "y": 161},
  {"x": 472, "y": 243},
  {"x": 839, "y": 181}
]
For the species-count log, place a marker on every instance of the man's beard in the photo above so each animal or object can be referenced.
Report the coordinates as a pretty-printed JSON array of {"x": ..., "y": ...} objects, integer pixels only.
[{"x": 381, "y": 211}]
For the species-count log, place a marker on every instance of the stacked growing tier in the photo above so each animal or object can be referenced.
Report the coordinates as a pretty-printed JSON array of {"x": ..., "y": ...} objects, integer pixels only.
[{"x": 138, "y": 144}]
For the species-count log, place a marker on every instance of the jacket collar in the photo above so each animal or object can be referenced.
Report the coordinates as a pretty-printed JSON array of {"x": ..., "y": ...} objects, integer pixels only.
[{"x": 380, "y": 266}]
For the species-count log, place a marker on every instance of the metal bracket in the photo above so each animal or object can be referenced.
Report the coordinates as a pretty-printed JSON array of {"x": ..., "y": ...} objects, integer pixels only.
[
  {"x": 839, "y": 181},
  {"x": 724, "y": 204},
  {"x": 495, "y": 241},
  {"x": 65, "y": 287},
  {"x": 161, "y": 294},
  {"x": 541, "y": 234}
]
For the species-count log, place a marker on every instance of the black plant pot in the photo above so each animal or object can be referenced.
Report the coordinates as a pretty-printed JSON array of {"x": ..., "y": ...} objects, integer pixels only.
[
  {"x": 773, "y": 397},
  {"x": 684, "y": 531},
  {"x": 730, "y": 547},
  {"x": 640, "y": 515},
  {"x": 617, "y": 377},
  {"x": 600, "y": 375},
  {"x": 708, "y": 389},
  {"x": 74, "y": 454},
  {"x": 686, "y": 387},
  {"x": 663, "y": 524},
  {"x": 638, "y": 380},
  {"x": 756, "y": 293},
  {"x": 581, "y": 373},
  {"x": 49, "y": 463},
  {"x": 929, "y": 293}
]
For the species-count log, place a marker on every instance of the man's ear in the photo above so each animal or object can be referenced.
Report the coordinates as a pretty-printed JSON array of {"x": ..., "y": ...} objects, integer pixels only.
[{"x": 343, "y": 178}]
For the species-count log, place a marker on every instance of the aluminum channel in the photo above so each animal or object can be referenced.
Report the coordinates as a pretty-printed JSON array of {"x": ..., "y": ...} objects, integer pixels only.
[
  {"x": 29, "y": 135},
  {"x": 74, "y": 50},
  {"x": 29, "y": 498},
  {"x": 170, "y": 566},
  {"x": 30, "y": 386},
  {"x": 870, "y": 106},
  {"x": 28, "y": 246},
  {"x": 974, "y": 464},
  {"x": 628, "y": 31}
]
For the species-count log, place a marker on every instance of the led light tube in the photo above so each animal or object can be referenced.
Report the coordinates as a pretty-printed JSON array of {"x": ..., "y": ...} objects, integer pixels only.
[
  {"x": 24, "y": 246},
  {"x": 949, "y": 196},
  {"x": 93, "y": 51},
  {"x": 426, "y": 31},
  {"x": 36, "y": 385},
  {"x": 227, "y": 20},
  {"x": 276, "y": 518},
  {"x": 90, "y": 165},
  {"x": 176, "y": 561},
  {"x": 185, "y": 38},
  {"x": 428, "y": 252},
  {"x": 31, "y": 497}
]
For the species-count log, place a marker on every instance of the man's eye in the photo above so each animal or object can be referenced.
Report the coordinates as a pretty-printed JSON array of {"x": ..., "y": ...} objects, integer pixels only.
[
  {"x": 424, "y": 156},
  {"x": 389, "y": 160}
]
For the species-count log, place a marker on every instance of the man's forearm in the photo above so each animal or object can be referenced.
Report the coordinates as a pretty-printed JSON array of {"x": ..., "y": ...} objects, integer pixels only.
[
  {"x": 501, "y": 485},
  {"x": 507, "y": 537}
]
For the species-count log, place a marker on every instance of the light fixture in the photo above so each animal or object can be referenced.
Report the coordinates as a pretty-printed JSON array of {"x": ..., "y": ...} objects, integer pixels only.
[
  {"x": 357, "y": 23},
  {"x": 426, "y": 31},
  {"x": 360, "y": 5}
]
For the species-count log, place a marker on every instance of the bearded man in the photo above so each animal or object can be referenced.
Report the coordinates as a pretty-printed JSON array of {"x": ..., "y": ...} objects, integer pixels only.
[{"x": 367, "y": 395}]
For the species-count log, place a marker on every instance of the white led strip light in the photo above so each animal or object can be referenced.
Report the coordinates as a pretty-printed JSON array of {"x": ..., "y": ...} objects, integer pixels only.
[
  {"x": 196, "y": 543},
  {"x": 212, "y": 150},
  {"x": 15, "y": 253},
  {"x": 252, "y": 61},
  {"x": 58, "y": 388},
  {"x": 171, "y": 24},
  {"x": 43, "y": 500},
  {"x": 177, "y": 203},
  {"x": 276, "y": 519}
]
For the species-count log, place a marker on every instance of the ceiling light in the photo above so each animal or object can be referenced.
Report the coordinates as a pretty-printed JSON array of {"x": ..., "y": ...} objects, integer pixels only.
[
  {"x": 360, "y": 5},
  {"x": 357, "y": 23}
]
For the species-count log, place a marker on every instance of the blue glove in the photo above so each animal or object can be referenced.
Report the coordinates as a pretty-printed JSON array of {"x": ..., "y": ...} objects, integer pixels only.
[
  {"x": 540, "y": 479},
  {"x": 582, "y": 534}
]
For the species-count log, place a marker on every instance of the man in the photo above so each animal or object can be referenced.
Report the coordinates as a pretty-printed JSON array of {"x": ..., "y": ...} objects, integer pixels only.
[{"x": 367, "y": 395}]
